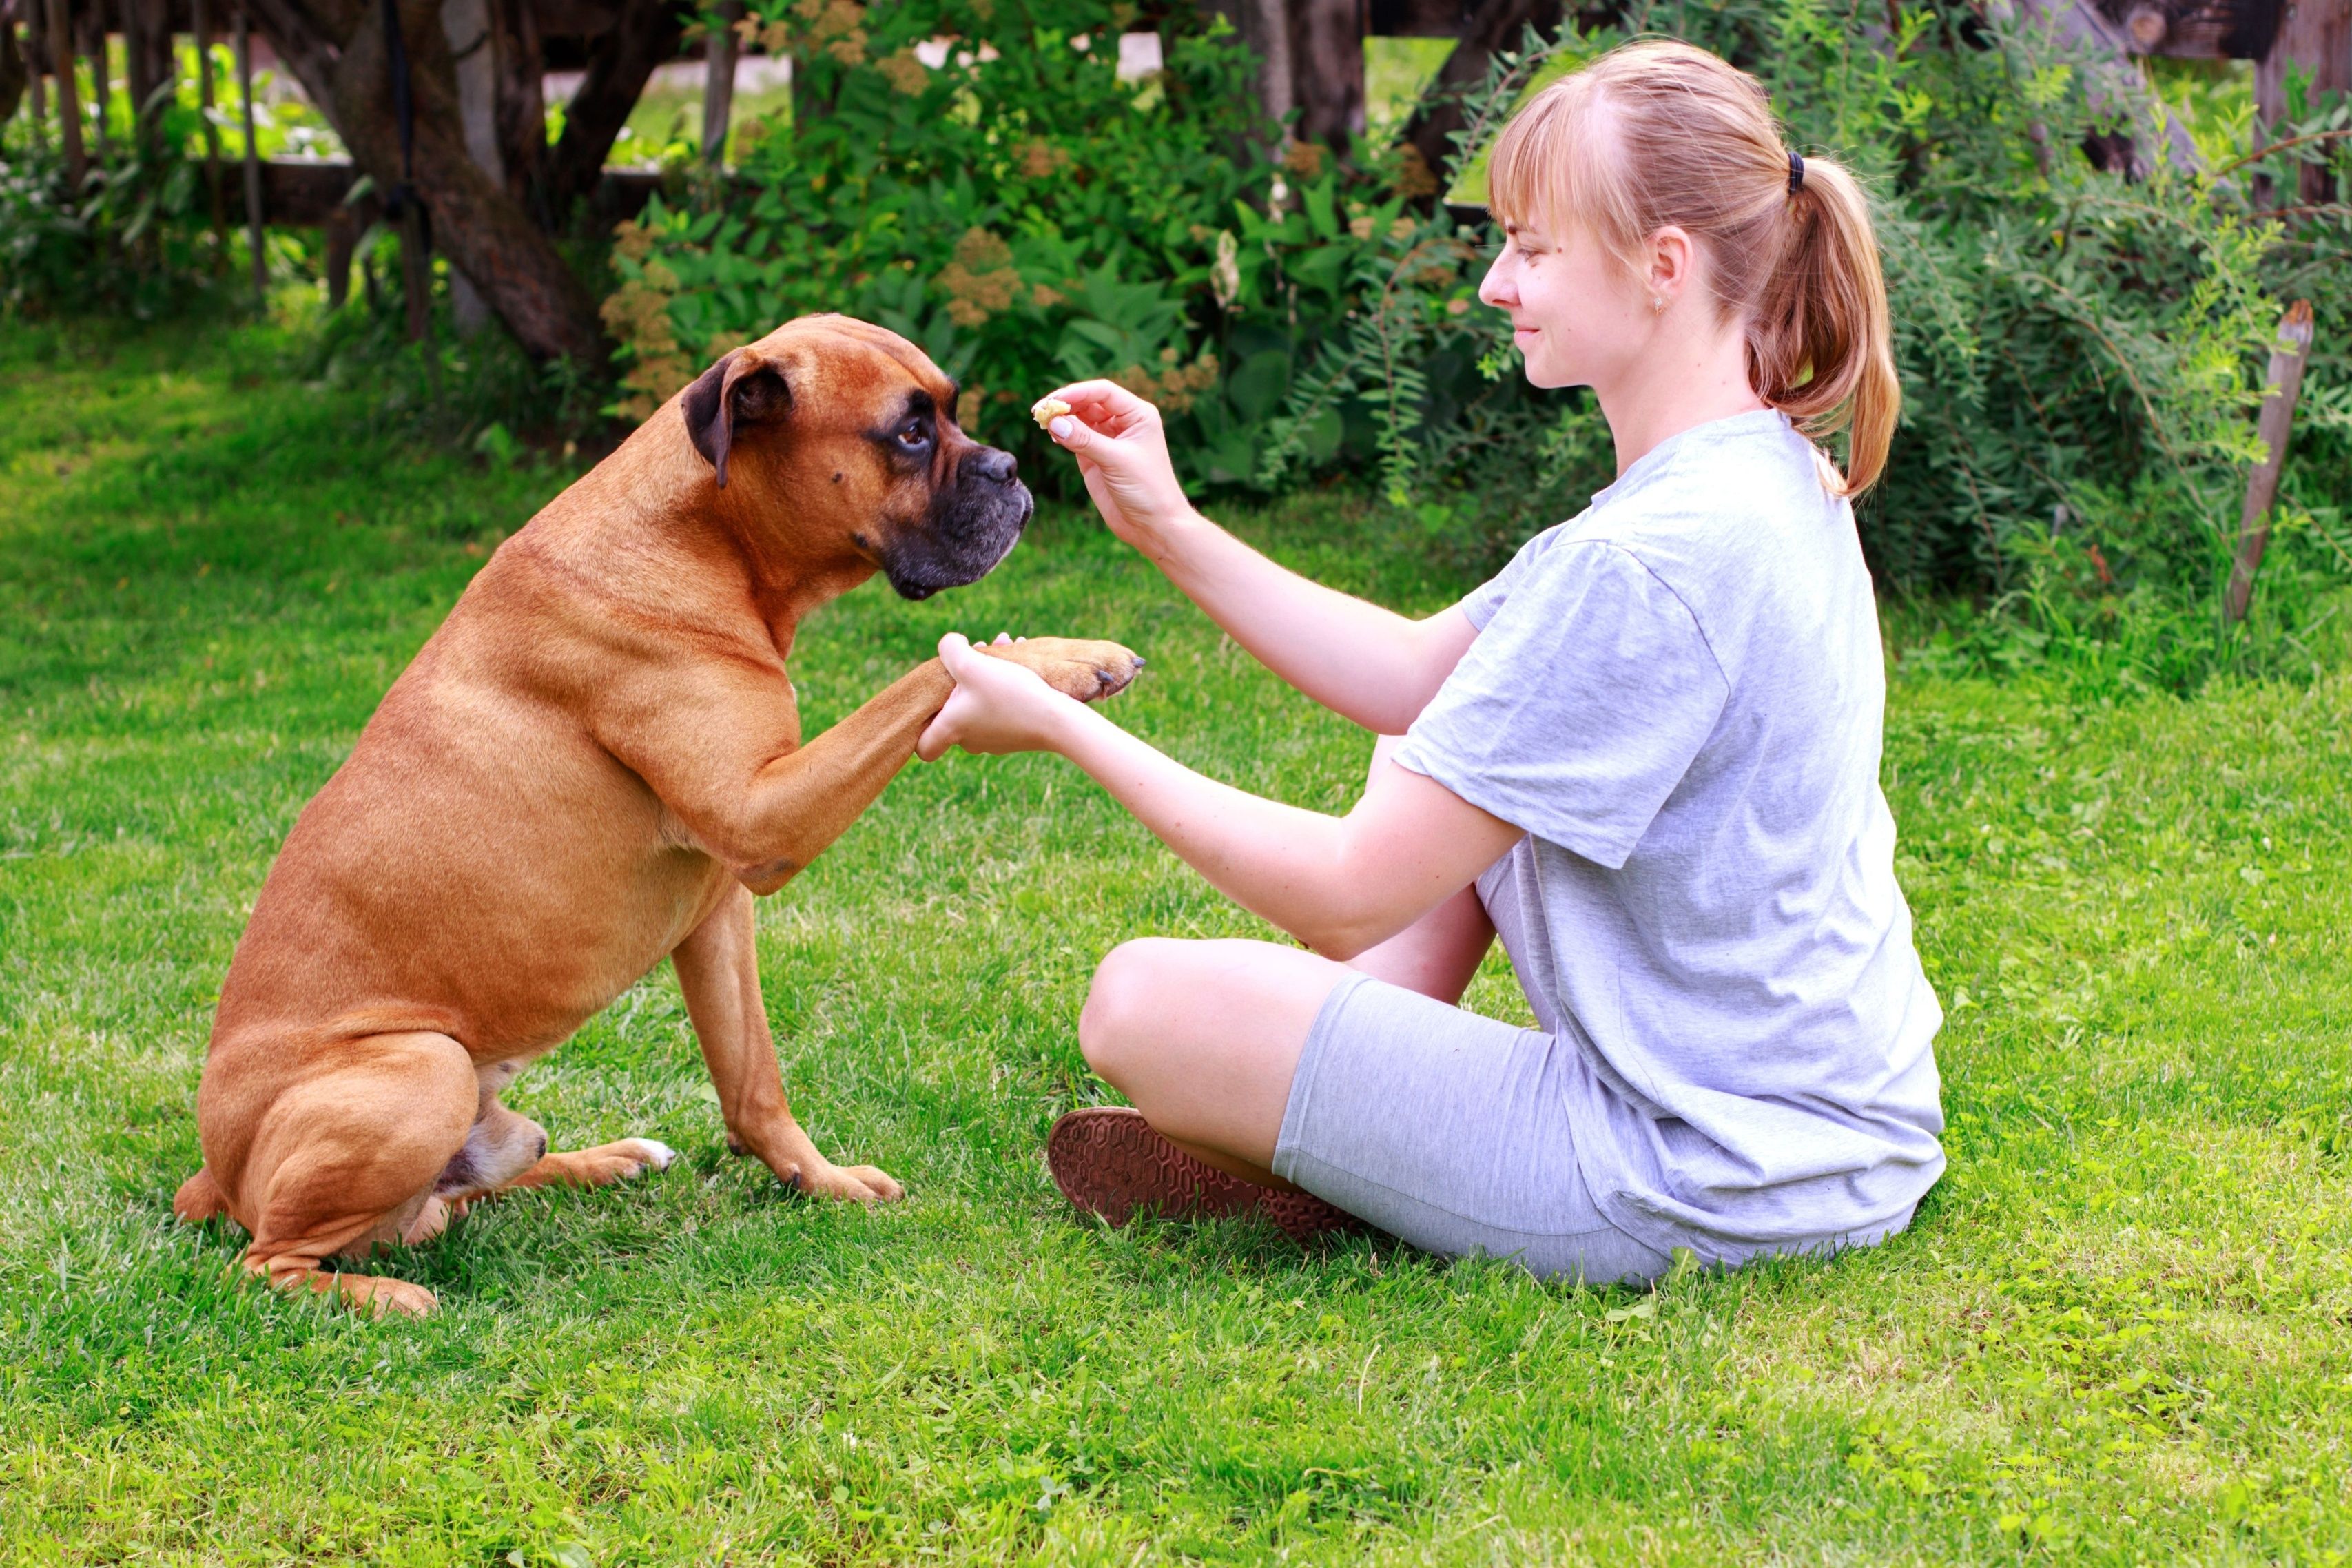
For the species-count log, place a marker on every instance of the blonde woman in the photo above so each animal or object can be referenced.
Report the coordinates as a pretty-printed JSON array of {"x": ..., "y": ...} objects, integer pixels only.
[{"x": 1646, "y": 756}]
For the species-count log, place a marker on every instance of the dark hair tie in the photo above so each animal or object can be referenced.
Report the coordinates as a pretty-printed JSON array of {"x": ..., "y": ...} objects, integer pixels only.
[{"x": 1796, "y": 173}]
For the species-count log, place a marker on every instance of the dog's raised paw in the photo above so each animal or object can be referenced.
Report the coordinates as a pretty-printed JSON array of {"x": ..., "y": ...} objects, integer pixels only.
[{"x": 1086, "y": 669}]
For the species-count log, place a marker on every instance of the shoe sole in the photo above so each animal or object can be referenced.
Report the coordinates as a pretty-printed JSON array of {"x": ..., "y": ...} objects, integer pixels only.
[{"x": 1110, "y": 1161}]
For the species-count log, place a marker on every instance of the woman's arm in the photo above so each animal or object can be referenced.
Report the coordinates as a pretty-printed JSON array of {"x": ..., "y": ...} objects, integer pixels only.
[
  {"x": 1340, "y": 884},
  {"x": 1363, "y": 662}
]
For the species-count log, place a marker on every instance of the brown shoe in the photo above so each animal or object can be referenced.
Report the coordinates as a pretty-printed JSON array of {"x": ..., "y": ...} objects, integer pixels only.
[{"x": 1108, "y": 1161}]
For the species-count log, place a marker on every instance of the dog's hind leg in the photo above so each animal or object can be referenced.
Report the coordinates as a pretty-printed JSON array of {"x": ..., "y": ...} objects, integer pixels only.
[
  {"x": 597, "y": 1167},
  {"x": 718, "y": 970},
  {"x": 346, "y": 1159},
  {"x": 505, "y": 1149},
  {"x": 199, "y": 1198}
]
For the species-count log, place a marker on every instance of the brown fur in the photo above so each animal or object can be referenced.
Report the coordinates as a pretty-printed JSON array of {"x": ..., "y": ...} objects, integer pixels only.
[{"x": 594, "y": 763}]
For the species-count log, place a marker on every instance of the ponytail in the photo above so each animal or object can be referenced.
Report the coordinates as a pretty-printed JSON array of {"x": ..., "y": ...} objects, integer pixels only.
[
  {"x": 1656, "y": 132},
  {"x": 1818, "y": 344}
]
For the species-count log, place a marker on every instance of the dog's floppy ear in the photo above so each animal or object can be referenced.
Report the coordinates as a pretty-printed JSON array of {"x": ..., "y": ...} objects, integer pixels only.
[{"x": 736, "y": 391}]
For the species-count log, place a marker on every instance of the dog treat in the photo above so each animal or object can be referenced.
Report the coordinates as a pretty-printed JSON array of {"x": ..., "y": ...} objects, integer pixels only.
[{"x": 1046, "y": 410}]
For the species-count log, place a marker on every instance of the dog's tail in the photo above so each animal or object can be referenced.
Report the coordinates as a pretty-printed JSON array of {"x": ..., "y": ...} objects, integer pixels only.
[{"x": 199, "y": 1199}]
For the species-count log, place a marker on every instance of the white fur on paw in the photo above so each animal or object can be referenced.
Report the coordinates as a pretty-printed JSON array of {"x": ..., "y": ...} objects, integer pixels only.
[{"x": 653, "y": 1152}]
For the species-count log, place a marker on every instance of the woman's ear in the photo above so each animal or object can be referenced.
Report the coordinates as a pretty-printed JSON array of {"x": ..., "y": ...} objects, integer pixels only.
[{"x": 1673, "y": 266}]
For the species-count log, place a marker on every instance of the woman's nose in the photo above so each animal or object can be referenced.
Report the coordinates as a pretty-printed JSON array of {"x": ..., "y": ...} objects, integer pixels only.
[{"x": 1497, "y": 288}]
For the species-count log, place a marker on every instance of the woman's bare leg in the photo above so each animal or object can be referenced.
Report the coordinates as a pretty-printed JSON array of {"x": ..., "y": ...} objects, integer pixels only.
[{"x": 1203, "y": 1037}]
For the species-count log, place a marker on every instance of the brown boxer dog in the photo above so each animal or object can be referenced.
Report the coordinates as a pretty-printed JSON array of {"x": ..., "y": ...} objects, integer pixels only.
[{"x": 595, "y": 762}]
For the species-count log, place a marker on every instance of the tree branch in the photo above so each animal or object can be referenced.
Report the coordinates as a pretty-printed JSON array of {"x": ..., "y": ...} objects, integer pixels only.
[{"x": 646, "y": 35}]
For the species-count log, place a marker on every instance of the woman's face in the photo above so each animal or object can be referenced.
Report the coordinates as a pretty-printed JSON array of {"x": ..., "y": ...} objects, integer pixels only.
[{"x": 1579, "y": 317}]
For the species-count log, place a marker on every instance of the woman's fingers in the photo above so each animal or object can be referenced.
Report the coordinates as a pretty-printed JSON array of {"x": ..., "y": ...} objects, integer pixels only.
[{"x": 1105, "y": 405}]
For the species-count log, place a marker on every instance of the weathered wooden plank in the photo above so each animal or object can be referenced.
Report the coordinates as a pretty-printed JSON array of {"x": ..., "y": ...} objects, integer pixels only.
[{"x": 2284, "y": 385}]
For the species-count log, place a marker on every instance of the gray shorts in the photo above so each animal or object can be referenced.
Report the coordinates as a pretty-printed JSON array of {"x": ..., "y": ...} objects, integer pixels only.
[
  {"x": 1448, "y": 1128},
  {"x": 1449, "y": 1131}
]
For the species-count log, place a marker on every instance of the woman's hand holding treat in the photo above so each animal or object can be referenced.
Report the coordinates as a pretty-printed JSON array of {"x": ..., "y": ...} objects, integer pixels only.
[
  {"x": 1122, "y": 455},
  {"x": 1360, "y": 660}
]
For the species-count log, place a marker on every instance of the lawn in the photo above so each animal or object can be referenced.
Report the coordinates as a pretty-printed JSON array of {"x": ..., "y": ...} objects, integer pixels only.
[{"x": 2119, "y": 1331}]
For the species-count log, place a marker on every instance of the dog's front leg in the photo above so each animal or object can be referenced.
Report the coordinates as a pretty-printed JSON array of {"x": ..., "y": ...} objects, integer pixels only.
[
  {"x": 718, "y": 970},
  {"x": 768, "y": 827}
]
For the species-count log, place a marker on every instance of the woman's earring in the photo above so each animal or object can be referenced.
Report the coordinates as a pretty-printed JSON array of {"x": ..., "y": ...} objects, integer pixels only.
[{"x": 1658, "y": 304}]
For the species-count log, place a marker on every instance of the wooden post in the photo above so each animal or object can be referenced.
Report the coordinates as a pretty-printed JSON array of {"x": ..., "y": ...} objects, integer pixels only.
[
  {"x": 244, "y": 37},
  {"x": 61, "y": 53},
  {"x": 2286, "y": 384},
  {"x": 342, "y": 238},
  {"x": 151, "y": 65},
  {"x": 135, "y": 54},
  {"x": 201, "y": 21},
  {"x": 718, "y": 84},
  {"x": 416, "y": 270},
  {"x": 102, "y": 77}
]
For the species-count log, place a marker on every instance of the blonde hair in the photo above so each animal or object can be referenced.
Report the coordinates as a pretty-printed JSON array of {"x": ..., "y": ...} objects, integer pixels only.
[{"x": 1656, "y": 133}]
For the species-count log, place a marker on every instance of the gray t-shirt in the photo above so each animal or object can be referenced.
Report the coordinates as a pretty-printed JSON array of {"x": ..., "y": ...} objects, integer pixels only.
[{"x": 1679, "y": 694}]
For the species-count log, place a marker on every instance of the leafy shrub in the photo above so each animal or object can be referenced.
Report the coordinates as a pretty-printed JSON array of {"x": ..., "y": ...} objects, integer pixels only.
[
  {"x": 128, "y": 240},
  {"x": 1028, "y": 218}
]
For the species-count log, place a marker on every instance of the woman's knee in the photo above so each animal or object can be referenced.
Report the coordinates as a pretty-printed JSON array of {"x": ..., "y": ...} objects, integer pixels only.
[{"x": 1121, "y": 1002}]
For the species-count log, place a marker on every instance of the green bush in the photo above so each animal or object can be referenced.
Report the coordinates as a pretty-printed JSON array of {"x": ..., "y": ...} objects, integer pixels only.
[
  {"x": 1029, "y": 219},
  {"x": 128, "y": 240}
]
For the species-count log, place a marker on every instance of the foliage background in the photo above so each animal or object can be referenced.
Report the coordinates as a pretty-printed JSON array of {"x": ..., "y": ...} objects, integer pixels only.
[{"x": 2080, "y": 354}]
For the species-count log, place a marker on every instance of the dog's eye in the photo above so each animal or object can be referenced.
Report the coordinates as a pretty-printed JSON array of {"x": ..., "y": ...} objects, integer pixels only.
[{"x": 913, "y": 434}]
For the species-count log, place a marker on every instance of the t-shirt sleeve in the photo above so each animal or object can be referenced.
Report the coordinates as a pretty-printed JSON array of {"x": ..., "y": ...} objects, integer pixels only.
[
  {"x": 1481, "y": 601},
  {"x": 1580, "y": 705}
]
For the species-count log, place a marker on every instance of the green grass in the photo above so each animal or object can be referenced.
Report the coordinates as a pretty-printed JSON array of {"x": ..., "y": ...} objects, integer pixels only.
[{"x": 2120, "y": 1329}]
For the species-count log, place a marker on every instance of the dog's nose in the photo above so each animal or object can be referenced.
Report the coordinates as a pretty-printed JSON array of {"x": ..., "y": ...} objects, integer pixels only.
[{"x": 992, "y": 464}]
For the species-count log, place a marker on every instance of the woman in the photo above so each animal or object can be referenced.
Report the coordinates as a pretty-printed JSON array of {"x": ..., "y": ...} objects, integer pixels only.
[{"x": 1646, "y": 754}]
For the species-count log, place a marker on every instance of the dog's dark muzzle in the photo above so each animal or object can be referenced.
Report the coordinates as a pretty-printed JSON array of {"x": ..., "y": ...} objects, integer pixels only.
[{"x": 973, "y": 523}]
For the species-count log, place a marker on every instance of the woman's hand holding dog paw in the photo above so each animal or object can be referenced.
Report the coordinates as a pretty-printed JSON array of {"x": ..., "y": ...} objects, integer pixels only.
[{"x": 1012, "y": 695}]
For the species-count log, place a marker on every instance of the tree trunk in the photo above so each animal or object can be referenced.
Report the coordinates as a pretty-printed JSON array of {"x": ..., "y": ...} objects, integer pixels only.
[
  {"x": 648, "y": 34},
  {"x": 1495, "y": 26},
  {"x": 2197, "y": 30},
  {"x": 521, "y": 98},
  {"x": 37, "y": 66},
  {"x": 718, "y": 84},
  {"x": 61, "y": 57},
  {"x": 2315, "y": 35},
  {"x": 1265, "y": 33},
  {"x": 13, "y": 74},
  {"x": 1327, "y": 52},
  {"x": 2114, "y": 85},
  {"x": 338, "y": 49},
  {"x": 465, "y": 27}
]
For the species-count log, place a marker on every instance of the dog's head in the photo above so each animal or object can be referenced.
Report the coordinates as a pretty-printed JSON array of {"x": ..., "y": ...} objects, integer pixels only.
[{"x": 844, "y": 433}]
